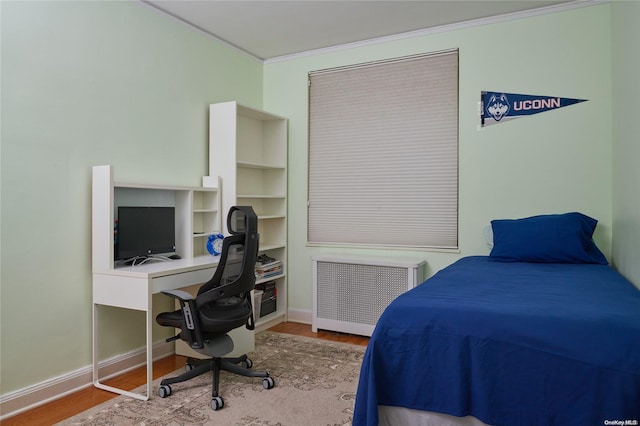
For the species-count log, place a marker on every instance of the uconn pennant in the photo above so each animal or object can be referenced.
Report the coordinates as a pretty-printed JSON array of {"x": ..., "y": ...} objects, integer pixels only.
[{"x": 497, "y": 107}]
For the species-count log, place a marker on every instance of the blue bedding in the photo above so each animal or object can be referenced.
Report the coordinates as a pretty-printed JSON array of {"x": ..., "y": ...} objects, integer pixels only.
[{"x": 511, "y": 344}]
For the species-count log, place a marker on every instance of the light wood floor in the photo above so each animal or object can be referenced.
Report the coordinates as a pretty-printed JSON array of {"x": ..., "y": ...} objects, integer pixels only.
[{"x": 84, "y": 399}]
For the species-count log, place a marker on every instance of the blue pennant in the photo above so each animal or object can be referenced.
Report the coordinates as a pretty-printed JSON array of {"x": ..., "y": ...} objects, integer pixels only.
[{"x": 498, "y": 107}]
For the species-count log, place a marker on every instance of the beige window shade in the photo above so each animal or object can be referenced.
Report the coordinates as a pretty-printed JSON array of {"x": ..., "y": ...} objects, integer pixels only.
[{"x": 383, "y": 153}]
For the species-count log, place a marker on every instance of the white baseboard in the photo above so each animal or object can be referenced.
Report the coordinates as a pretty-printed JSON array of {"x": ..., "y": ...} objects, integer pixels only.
[
  {"x": 303, "y": 316},
  {"x": 41, "y": 393}
]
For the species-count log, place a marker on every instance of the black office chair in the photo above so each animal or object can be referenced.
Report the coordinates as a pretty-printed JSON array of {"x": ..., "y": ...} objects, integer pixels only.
[{"x": 221, "y": 305}]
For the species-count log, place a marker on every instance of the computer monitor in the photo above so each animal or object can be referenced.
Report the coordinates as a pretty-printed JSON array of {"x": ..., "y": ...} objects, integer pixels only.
[{"x": 145, "y": 231}]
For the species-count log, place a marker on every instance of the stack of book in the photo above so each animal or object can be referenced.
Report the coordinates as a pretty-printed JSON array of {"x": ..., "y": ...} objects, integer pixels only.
[{"x": 267, "y": 267}]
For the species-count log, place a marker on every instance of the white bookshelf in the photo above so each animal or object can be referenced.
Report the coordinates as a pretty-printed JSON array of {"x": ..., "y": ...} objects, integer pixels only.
[{"x": 248, "y": 150}]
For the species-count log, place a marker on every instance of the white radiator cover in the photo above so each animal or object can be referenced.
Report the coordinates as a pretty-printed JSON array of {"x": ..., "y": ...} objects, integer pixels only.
[{"x": 350, "y": 293}]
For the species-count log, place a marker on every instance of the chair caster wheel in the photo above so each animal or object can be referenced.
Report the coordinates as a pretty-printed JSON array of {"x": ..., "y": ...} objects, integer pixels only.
[
  {"x": 247, "y": 363},
  {"x": 188, "y": 367},
  {"x": 164, "y": 391},
  {"x": 217, "y": 403},
  {"x": 268, "y": 383}
]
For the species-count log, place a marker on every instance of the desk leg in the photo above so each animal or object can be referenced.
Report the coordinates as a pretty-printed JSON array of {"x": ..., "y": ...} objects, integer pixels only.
[
  {"x": 94, "y": 342},
  {"x": 96, "y": 362},
  {"x": 149, "y": 315}
]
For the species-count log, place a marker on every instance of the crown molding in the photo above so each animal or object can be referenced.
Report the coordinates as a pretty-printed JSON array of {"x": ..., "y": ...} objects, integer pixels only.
[
  {"x": 390, "y": 38},
  {"x": 440, "y": 29}
]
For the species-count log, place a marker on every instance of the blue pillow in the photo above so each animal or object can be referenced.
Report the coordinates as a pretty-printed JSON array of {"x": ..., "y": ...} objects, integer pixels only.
[{"x": 556, "y": 238}]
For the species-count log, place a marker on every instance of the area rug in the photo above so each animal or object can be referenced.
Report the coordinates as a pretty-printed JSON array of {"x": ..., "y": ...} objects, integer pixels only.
[{"x": 315, "y": 384}]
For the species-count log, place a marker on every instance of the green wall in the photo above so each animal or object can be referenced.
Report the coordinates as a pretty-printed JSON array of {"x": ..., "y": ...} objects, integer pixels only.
[
  {"x": 556, "y": 161},
  {"x": 626, "y": 144},
  {"x": 83, "y": 84}
]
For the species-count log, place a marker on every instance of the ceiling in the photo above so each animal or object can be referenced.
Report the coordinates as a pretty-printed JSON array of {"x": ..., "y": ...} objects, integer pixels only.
[{"x": 268, "y": 29}]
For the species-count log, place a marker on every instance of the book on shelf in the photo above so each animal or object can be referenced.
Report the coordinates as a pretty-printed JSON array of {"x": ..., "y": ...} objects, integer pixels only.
[
  {"x": 275, "y": 263},
  {"x": 263, "y": 259},
  {"x": 267, "y": 270},
  {"x": 269, "y": 275}
]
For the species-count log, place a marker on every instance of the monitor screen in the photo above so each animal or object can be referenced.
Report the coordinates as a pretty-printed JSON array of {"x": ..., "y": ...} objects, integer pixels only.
[{"x": 144, "y": 231}]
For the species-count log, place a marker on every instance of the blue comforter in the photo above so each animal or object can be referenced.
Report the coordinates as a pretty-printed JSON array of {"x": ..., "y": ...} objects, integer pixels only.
[{"x": 510, "y": 344}]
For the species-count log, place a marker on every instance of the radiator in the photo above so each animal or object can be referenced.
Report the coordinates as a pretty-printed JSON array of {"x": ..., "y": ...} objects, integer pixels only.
[{"x": 350, "y": 294}]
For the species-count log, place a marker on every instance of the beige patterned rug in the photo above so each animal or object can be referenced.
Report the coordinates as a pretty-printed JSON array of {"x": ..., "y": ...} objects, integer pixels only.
[{"x": 315, "y": 379}]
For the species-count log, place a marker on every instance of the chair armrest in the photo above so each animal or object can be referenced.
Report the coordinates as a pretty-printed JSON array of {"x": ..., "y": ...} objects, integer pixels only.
[
  {"x": 191, "y": 330},
  {"x": 178, "y": 294}
]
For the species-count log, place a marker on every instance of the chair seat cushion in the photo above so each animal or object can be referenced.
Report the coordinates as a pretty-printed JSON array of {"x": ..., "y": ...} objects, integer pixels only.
[
  {"x": 224, "y": 315},
  {"x": 171, "y": 319},
  {"x": 218, "y": 318}
]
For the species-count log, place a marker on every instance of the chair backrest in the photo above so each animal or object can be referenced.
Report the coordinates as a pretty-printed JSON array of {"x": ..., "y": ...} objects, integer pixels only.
[{"x": 235, "y": 274}]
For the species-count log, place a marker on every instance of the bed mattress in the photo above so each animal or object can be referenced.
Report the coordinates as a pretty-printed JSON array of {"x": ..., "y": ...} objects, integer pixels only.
[{"x": 509, "y": 343}]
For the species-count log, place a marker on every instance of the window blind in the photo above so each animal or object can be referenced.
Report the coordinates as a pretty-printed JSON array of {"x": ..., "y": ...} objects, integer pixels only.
[{"x": 383, "y": 153}]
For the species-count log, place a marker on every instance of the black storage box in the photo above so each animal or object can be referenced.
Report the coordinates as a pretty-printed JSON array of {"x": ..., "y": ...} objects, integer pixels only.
[
  {"x": 269, "y": 296},
  {"x": 268, "y": 288},
  {"x": 268, "y": 306}
]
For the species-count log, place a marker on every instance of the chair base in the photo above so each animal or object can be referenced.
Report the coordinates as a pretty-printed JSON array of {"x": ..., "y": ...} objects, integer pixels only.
[{"x": 195, "y": 367}]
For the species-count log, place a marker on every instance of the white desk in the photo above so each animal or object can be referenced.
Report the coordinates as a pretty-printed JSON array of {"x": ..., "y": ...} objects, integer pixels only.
[{"x": 133, "y": 288}]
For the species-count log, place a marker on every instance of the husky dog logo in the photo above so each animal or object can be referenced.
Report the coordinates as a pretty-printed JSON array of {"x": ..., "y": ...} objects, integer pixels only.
[{"x": 498, "y": 106}]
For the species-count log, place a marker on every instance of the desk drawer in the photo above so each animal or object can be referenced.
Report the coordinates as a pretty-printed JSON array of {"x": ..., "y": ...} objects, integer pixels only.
[
  {"x": 182, "y": 279},
  {"x": 124, "y": 292}
]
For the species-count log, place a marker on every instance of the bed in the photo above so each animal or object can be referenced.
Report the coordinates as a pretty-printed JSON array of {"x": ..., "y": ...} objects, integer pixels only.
[{"x": 541, "y": 334}]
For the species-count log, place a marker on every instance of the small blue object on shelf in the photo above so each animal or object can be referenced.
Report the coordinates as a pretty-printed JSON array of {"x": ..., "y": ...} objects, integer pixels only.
[{"x": 214, "y": 244}]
